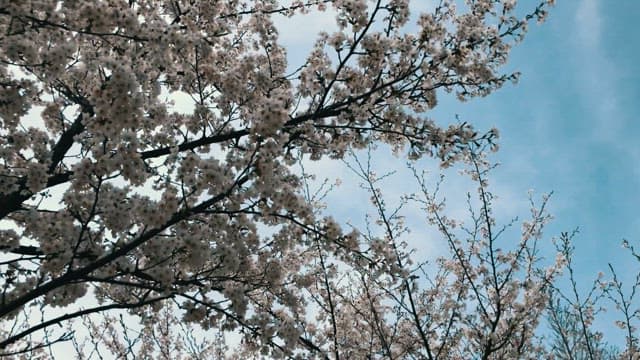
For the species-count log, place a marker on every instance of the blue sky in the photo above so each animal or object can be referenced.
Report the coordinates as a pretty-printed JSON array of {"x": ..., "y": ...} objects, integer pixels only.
[{"x": 568, "y": 126}]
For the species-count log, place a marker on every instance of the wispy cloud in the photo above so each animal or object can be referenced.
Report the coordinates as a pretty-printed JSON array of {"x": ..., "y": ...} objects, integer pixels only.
[
  {"x": 596, "y": 73},
  {"x": 589, "y": 23},
  {"x": 303, "y": 29}
]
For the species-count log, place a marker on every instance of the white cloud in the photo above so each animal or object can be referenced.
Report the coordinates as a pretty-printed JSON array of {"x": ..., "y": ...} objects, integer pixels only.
[
  {"x": 589, "y": 23},
  {"x": 596, "y": 72},
  {"x": 302, "y": 29}
]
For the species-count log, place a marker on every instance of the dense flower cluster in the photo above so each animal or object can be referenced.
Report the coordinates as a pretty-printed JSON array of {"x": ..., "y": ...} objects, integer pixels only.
[{"x": 105, "y": 190}]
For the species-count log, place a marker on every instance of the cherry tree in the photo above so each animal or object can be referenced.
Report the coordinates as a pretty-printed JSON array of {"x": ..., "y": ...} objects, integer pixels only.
[
  {"x": 161, "y": 335},
  {"x": 572, "y": 311},
  {"x": 483, "y": 299},
  {"x": 110, "y": 199}
]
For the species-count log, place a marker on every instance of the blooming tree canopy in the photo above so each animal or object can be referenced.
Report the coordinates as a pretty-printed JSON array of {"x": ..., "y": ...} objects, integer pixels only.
[{"x": 205, "y": 208}]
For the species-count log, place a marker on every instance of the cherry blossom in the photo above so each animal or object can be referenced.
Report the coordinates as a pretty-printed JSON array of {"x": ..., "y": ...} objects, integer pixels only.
[{"x": 109, "y": 194}]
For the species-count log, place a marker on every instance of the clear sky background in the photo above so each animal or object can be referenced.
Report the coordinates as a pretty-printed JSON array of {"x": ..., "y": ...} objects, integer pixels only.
[{"x": 569, "y": 126}]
